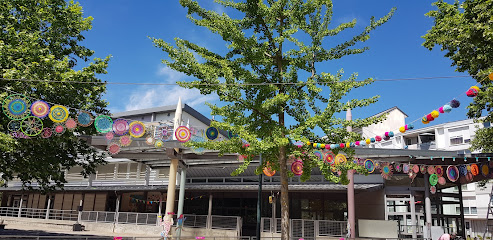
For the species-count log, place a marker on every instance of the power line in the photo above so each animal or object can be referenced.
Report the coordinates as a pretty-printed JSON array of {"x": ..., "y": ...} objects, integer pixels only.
[{"x": 229, "y": 84}]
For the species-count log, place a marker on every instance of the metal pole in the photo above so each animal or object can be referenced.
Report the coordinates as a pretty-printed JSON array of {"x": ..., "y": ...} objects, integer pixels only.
[
  {"x": 351, "y": 218},
  {"x": 413, "y": 216},
  {"x": 117, "y": 208},
  {"x": 181, "y": 199},
  {"x": 427, "y": 207},
  {"x": 20, "y": 206},
  {"x": 259, "y": 200},
  {"x": 209, "y": 213},
  {"x": 47, "y": 216}
]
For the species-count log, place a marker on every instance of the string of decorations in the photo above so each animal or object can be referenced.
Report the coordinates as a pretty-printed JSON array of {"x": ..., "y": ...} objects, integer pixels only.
[{"x": 149, "y": 202}]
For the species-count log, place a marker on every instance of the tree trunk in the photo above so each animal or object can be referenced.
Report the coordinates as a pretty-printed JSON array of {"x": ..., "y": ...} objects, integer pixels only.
[{"x": 284, "y": 195}]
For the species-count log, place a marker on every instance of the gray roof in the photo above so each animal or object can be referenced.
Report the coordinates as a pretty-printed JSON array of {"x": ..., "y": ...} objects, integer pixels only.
[
  {"x": 390, "y": 110},
  {"x": 292, "y": 187}
]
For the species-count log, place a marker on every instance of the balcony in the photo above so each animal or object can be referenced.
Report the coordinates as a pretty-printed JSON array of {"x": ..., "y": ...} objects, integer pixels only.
[{"x": 423, "y": 146}]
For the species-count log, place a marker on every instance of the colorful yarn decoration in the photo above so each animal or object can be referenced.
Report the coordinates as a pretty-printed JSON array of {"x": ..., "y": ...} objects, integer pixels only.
[
  {"x": 405, "y": 168},
  {"x": 468, "y": 167},
  {"x": 84, "y": 118},
  {"x": 368, "y": 141},
  {"x": 159, "y": 144},
  {"x": 423, "y": 169},
  {"x": 297, "y": 168},
  {"x": 319, "y": 154},
  {"x": 31, "y": 126},
  {"x": 415, "y": 168},
  {"x": 439, "y": 171},
  {"x": 357, "y": 143},
  {"x": 369, "y": 165},
  {"x": 150, "y": 140},
  {"x": 114, "y": 148},
  {"x": 442, "y": 180},
  {"x": 476, "y": 87},
  {"x": 454, "y": 103},
  {"x": 431, "y": 170},
  {"x": 103, "y": 124},
  {"x": 58, "y": 113},
  {"x": 16, "y": 107},
  {"x": 58, "y": 129},
  {"x": 46, "y": 133},
  {"x": 447, "y": 108},
  {"x": 474, "y": 169},
  {"x": 433, "y": 189},
  {"x": 472, "y": 92},
  {"x": 386, "y": 138},
  {"x": 410, "y": 126},
  {"x": 70, "y": 124},
  {"x": 40, "y": 109},
  {"x": 120, "y": 127},
  {"x": 463, "y": 170},
  {"x": 429, "y": 118},
  {"x": 469, "y": 177},
  {"x": 441, "y": 110},
  {"x": 386, "y": 171},
  {"x": 362, "y": 143},
  {"x": 490, "y": 76},
  {"x": 211, "y": 133},
  {"x": 485, "y": 170},
  {"x": 14, "y": 126},
  {"x": 109, "y": 136},
  {"x": 452, "y": 173},
  {"x": 435, "y": 113},
  {"x": 125, "y": 141},
  {"x": 137, "y": 129},
  {"x": 378, "y": 138},
  {"x": 329, "y": 158},
  {"x": 342, "y": 145},
  {"x": 433, "y": 179},
  {"x": 402, "y": 129},
  {"x": 372, "y": 140},
  {"x": 268, "y": 171},
  {"x": 340, "y": 159},
  {"x": 424, "y": 120},
  {"x": 398, "y": 168},
  {"x": 182, "y": 134}
]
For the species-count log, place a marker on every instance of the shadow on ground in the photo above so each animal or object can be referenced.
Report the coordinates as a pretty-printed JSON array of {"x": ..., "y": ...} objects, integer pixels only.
[{"x": 34, "y": 234}]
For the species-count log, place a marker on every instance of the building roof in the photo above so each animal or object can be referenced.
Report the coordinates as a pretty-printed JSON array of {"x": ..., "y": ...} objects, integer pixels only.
[
  {"x": 390, "y": 110},
  {"x": 275, "y": 187}
]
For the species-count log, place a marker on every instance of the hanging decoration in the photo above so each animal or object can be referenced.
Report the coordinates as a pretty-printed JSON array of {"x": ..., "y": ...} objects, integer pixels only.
[
  {"x": 31, "y": 126},
  {"x": 58, "y": 129},
  {"x": 297, "y": 168},
  {"x": 150, "y": 140},
  {"x": 442, "y": 181},
  {"x": 422, "y": 169},
  {"x": 40, "y": 109},
  {"x": 58, "y": 114},
  {"x": 485, "y": 170},
  {"x": 319, "y": 154},
  {"x": 114, "y": 148},
  {"x": 463, "y": 170},
  {"x": 439, "y": 171},
  {"x": 84, "y": 119},
  {"x": 452, "y": 173},
  {"x": 14, "y": 126},
  {"x": 386, "y": 171},
  {"x": 398, "y": 167},
  {"x": 70, "y": 124},
  {"x": 109, "y": 136},
  {"x": 340, "y": 159},
  {"x": 137, "y": 129},
  {"x": 416, "y": 168},
  {"x": 329, "y": 158},
  {"x": 431, "y": 170},
  {"x": 268, "y": 171},
  {"x": 182, "y": 134},
  {"x": 211, "y": 133},
  {"x": 16, "y": 107},
  {"x": 158, "y": 144},
  {"x": 369, "y": 165},
  {"x": 433, "y": 189},
  {"x": 103, "y": 123},
  {"x": 120, "y": 127},
  {"x": 125, "y": 141},
  {"x": 433, "y": 179},
  {"x": 405, "y": 168},
  {"x": 473, "y": 91},
  {"x": 46, "y": 133},
  {"x": 474, "y": 169}
]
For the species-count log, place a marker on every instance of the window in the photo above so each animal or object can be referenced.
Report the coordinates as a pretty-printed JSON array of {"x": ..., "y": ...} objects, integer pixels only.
[
  {"x": 464, "y": 187},
  {"x": 467, "y": 140},
  {"x": 487, "y": 124},
  {"x": 408, "y": 141},
  {"x": 466, "y": 210},
  {"x": 468, "y": 225},
  {"x": 474, "y": 210},
  {"x": 456, "y": 140},
  {"x": 457, "y": 210}
]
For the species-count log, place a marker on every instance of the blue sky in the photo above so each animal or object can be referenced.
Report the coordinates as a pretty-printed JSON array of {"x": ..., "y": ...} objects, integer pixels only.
[{"x": 121, "y": 28}]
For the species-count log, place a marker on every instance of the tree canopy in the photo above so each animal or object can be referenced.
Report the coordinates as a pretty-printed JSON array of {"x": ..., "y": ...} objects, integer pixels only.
[
  {"x": 464, "y": 31},
  {"x": 41, "y": 40},
  {"x": 268, "y": 82}
]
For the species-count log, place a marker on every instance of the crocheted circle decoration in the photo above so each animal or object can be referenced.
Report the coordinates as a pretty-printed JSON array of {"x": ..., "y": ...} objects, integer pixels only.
[
  {"x": 340, "y": 159},
  {"x": 439, "y": 171},
  {"x": 125, "y": 141},
  {"x": 463, "y": 170},
  {"x": 398, "y": 167},
  {"x": 182, "y": 134},
  {"x": 109, "y": 136},
  {"x": 14, "y": 126},
  {"x": 452, "y": 173},
  {"x": 40, "y": 109},
  {"x": 16, "y": 107},
  {"x": 319, "y": 154},
  {"x": 423, "y": 169},
  {"x": 386, "y": 171},
  {"x": 31, "y": 126},
  {"x": 433, "y": 189},
  {"x": 297, "y": 168},
  {"x": 58, "y": 129},
  {"x": 150, "y": 140},
  {"x": 46, "y": 133},
  {"x": 442, "y": 180},
  {"x": 485, "y": 170},
  {"x": 84, "y": 118},
  {"x": 114, "y": 148},
  {"x": 369, "y": 165},
  {"x": 158, "y": 144},
  {"x": 137, "y": 129},
  {"x": 211, "y": 133},
  {"x": 103, "y": 124},
  {"x": 268, "y": 171},
  {"x": 474, "y": 169},
  {"x": 329, "y": 158},
  {"x": 415, "y": 168},
  {"x": 433, "y": 179},
  {"x": 431, "y": 170},
  {"x": 70, "y": 124},
  {"x": 469, "y": 177},
  {"x": 405, "y": 168},
  {"x": 120, "y": 127},
  {"x": 58, "y": 113},
  {"x": 195, "y": 131}
]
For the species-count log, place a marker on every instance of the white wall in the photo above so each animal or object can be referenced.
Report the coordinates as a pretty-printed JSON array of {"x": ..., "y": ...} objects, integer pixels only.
[{"x": 395, "y": 120}]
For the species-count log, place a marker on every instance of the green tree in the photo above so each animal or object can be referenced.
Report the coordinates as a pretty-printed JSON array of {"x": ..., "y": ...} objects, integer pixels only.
[
  {"x": 269, "y": 82},
  {"x": 465, "y": 32},
  {"x": 40, "y": 39}
]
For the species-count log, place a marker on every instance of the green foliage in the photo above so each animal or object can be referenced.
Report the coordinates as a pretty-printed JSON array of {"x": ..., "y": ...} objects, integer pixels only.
[
  {"x": 465, "y": 32},
  {"x": 41, "y": 40}
]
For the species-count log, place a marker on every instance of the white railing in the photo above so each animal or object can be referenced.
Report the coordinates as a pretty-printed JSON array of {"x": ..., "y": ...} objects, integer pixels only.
[
  {"x": 305, "y": 228},
  {"x": 39, "y": 213},
  {"x": 97, "y": 216},
  {"x": 137, "y": 218}
]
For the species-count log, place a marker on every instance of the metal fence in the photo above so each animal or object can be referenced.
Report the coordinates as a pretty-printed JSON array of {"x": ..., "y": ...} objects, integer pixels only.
[
  {"x": 137, "y": 218},
  {"x": 54, "y": 214},
  {"x": 306, "y": 229},
  {"x": 97, "y": 216}
]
